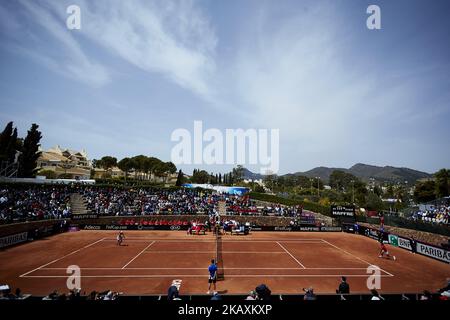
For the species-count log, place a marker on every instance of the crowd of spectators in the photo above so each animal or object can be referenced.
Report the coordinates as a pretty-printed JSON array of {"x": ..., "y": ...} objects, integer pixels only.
[
  {"x": 7, "y": 294},
  {"x": 437, "y": 215},
  {"x": 34, "y": 203},
  {"x": 261, "y": 292},
  {"x": 76, "y": 295},
  {"x": 37, "y": 202},
  {"x": 119, "y": 202}
]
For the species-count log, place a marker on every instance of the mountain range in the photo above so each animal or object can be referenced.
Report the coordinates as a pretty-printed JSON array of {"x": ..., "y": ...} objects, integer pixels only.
[{"x": 363, "y": 171}]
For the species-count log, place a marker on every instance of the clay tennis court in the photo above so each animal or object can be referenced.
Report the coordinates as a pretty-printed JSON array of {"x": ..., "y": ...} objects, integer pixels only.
[{"x": 150, "y": 260}]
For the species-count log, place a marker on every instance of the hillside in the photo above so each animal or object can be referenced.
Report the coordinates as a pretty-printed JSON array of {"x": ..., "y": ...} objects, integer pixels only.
[{"x": 363, "y": 171}]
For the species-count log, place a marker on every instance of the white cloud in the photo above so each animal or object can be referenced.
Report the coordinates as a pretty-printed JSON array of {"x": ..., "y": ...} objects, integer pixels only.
[
  {"x": 67, "y": 57},
  {"x": 171, "y": 38},
  {"x": 295, "y": 76}
]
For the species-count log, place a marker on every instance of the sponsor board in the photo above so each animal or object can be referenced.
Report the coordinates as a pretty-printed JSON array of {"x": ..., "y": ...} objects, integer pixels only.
[
  {"x": 343, "y": 211},
  {"x": 282, "y": 229},
  {"x": 183, "y": 227},
  {"x": 331, "y": 229},
  {"x": 132, "y": 227},
  {"x": 372, "y": 233},
  {"x": 115, "y": 227},
  {"x": 393, "y": 240},
  {"x": 404, "y": 243},
  {"x": 309, "y": 229},
  {"x": 84, "y": 216},
  {"x": 46, "y": 231},
  {"x": 13, "y": 239},
  {"x": 433, "y": 252},
  {"x": 92, "y": 227}
]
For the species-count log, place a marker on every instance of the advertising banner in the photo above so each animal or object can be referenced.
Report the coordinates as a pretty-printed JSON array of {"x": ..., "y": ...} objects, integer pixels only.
[
  {"x": 405, "y": 243},
  {"x": 13, "y": 239},
  {"x": 393, "y": 240},
  {"x": 84, "y": 216},
  {"x": 433, "y": 252},
  {"x": 343, "y": 211}
]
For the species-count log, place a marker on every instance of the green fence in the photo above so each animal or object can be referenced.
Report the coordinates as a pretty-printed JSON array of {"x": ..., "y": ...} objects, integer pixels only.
[
  {"x": 408, "y": 224},
  {"x": 314, "y": 207}
]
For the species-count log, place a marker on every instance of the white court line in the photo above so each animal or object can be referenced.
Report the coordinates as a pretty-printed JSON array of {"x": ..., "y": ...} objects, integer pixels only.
[
  {"x": 370, "y": 264},
  {"x": 202, "y": 276},
  {"x": 291, "y": 255},
  {"x": 69, "y": 254},
  {"x": 138, "y": 254},
  {"x": 231, "y": 268},
  {"x": 208, "y": 252},
  {"x": 223, "y": 240}
]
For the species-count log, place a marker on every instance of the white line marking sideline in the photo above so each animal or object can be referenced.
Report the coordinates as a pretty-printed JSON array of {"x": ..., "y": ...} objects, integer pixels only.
[
  {"x": 69, "y": 254},
  {"x": 202, "y": 276},
  {"x": 291, "y": 255},
  {"x": 138, "y": 254},
  {"x": 370, "y": 264}
]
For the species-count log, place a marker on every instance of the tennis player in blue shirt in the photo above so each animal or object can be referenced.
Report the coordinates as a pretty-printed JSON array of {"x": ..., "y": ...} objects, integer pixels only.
[{"x": 212, "y": 269}]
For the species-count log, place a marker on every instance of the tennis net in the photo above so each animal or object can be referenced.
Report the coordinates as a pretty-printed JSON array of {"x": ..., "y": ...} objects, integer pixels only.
[{"x": 219, "y": 258}]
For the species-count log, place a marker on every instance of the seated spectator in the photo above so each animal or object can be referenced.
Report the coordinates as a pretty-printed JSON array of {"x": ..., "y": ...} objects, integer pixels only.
[
  {"x": 445, "y": 292},
  {"x": 309, "y": 294},
  {"x": 426, "y": 295},
  {"x": 216, "y": 297},
  {"x": 375, "y": 295},
  {"x": 19, "y": 294},
  {"x": 93, "y": 296},
  {"x": 251, "y": 295},
  {"x": 263, "y": 292},
  {"x": 110, "y": 295}
]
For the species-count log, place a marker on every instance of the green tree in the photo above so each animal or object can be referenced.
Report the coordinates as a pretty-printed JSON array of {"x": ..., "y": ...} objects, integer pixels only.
[
  {"x": 238, "y": 173},
  {"x": 107, "y": 162},
  {"x": 180, "y": 179},
  {"x": 30, "y": 153},
  {"x": 378, "y": 191},
  {"x": 389, "y": 192},
  {"x": 95, "y": 163},
  {"x": 200, "y": 176},
  {"x": 441, "y": 183},
  {"x": 125, "y": 165},
  {"x": 373, "y": 202},
  {"x": 269, "y": 181},
  {"x": 49, "y": 174},
  {"x": 169, "y": 168},
  {"x": 258, "y": 188},
  {"x": 139, "y": 165},
  {"x": 341, "y": 181},
  {"x": 5, "y": 140},
  {"x": 160, "y": 169},
  {"x": 424, "y": 191},
  {"x": 361, "y": 192},
  {"x": 9, "y": 143}
]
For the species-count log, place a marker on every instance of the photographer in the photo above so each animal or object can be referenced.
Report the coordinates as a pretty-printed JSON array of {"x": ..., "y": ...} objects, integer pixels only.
[{"x": 344, "y": 287}]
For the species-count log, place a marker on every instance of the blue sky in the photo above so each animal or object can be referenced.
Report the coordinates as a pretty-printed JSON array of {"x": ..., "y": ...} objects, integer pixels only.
[{"x": 137, "y": 70}]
